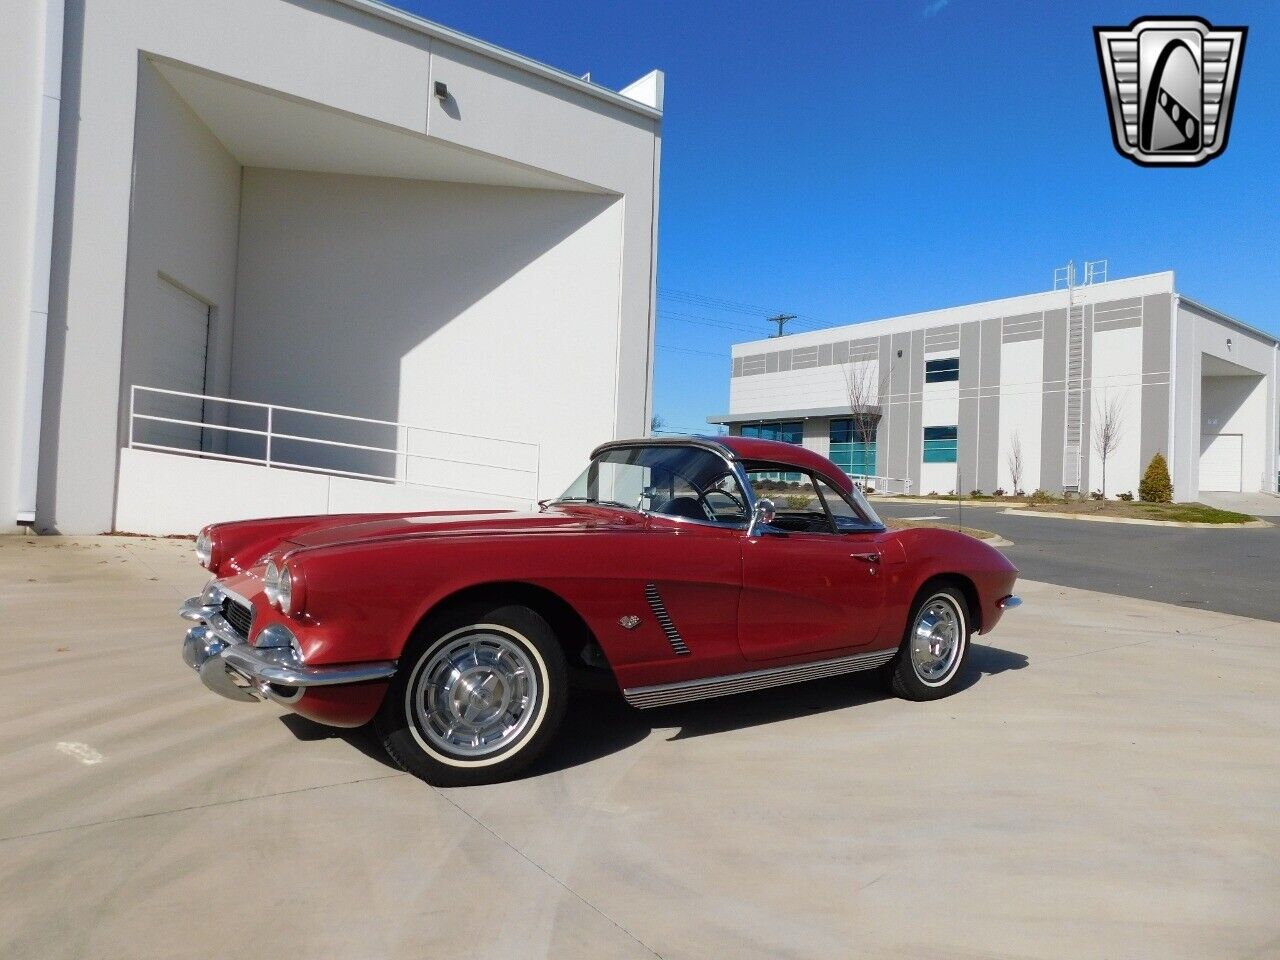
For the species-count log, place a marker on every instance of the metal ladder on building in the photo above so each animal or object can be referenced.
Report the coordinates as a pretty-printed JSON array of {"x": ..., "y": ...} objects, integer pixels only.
[{"x": 1095, "y": 271}]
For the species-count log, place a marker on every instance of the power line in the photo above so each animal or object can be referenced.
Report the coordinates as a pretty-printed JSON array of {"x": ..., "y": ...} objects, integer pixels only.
[
  {"x": 735, "y": 306},
  {"x": 703, "y": 353}
]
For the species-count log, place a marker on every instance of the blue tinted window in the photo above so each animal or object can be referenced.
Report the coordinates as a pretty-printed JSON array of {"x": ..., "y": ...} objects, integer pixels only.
[
  {"x": 853, "y": 450},
  {"x": 787, "y": 432},
  {"x": 941, "y": 371},
  {"x": 940, "y": 444}
]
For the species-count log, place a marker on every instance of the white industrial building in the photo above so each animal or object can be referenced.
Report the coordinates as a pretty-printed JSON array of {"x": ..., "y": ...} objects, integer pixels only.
[
  {"x": 952, "y": 393},
  {"x": 293, "y": 256}
]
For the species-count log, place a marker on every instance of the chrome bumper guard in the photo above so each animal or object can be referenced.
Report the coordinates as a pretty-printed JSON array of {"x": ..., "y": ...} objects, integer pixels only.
[{"x": 232, "y": 667}]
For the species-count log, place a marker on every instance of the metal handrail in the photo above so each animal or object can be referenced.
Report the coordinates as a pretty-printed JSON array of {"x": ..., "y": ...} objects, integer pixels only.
[
  {"x": 400, "y": 452},
  {"x": 322, "y": 413},
  {"x": 880, "y": 482}
]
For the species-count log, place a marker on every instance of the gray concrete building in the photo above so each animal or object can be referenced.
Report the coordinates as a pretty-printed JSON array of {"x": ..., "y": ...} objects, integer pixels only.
[{"x": 966, "y": 397}]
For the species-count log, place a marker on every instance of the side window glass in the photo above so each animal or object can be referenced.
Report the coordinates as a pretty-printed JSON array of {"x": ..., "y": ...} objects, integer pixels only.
[
  {"x": 796, "y": 497},
  {"x": 847, "y": 516}
]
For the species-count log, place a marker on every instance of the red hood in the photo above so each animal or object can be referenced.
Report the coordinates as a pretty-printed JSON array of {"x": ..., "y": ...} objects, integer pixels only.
[{"x": 460, "y": 525}]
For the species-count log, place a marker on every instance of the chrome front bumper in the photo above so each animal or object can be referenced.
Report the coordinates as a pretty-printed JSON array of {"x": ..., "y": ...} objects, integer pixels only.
[{"x": 232, "y": 667}]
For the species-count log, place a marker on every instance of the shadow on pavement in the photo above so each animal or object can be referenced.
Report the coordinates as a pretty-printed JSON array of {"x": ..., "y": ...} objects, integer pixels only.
[
  {"x": 598, "y": 724},
  {"x": 362, "y": 738}
]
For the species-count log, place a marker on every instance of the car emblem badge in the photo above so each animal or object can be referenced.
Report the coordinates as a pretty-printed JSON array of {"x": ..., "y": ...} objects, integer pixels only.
[
  {"x": 629, "y": 622},
  {"x": 1170, "y": 84}
]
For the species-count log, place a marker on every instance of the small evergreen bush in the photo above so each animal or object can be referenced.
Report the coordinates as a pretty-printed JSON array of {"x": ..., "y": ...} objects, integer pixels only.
[{"x": 1156, "y": 487}]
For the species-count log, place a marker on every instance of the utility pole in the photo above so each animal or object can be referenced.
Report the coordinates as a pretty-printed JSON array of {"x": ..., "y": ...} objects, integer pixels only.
[{"x": 781, "y": 320}]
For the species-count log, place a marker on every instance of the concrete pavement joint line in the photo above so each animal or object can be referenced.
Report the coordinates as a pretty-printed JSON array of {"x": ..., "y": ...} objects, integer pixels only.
[
  {"x": 1086, "y": 653},
  {"x": 197, "y": 806},
  {"x": 543, "y": 870}
]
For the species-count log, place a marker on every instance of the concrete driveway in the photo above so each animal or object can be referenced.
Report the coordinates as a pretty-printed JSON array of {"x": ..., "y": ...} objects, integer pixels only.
[
  {"x": 1105, "y": 787},
  {"x": 1258, "y": 504}
]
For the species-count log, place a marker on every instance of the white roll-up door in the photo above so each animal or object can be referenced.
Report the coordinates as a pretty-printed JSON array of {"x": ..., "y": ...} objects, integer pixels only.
[{"x": 1221, "y": 461}]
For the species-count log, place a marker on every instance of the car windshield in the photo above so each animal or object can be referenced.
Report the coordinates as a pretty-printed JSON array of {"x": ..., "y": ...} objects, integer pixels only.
[{"x": 686, "y": 483}]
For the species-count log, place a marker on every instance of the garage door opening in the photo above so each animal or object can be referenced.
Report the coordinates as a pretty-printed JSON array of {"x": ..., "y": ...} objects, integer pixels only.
[
  {"x": 1221, "y": 462},
  {"x": 1233, "y": 427}
]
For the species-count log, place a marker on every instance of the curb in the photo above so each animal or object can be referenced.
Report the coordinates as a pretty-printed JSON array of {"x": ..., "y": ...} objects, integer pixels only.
[
  {"x": 1185, "y": 524},
  {"x": 875, "y": 498}
]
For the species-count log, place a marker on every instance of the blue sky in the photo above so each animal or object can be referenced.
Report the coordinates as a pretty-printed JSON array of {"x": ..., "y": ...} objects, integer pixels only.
[{"x": 850, "y": 161}]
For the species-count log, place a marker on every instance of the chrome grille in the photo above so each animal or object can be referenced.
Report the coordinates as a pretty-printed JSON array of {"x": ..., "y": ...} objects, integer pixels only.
[{"x": 239, "y": 615}]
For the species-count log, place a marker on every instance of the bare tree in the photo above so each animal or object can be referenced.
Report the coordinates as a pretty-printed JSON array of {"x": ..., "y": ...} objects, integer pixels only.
[
  {"x": 863, "y": 389},
  {"x": 1015, "y": 463},
  {"x": 1108, "y": 427}
]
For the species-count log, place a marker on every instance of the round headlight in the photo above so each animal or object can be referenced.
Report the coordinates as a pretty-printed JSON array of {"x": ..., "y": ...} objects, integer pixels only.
[
  {"x": 204, "y": 549},
  {"x": 285, "y": 590},
  {"x": 271, "y": 583}
]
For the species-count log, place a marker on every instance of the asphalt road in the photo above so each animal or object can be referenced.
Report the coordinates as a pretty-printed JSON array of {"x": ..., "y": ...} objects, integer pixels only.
[{"x": 1227, "y": 571}]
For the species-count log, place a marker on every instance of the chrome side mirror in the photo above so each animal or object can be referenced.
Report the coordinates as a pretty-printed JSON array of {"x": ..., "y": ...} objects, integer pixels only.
[{"x": 762, "y": 516}]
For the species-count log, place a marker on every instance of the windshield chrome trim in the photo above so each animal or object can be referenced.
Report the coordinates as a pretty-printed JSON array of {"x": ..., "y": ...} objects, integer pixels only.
[
  {"x": 703, "y": 443},
  {"x": 708, "y": 444}
]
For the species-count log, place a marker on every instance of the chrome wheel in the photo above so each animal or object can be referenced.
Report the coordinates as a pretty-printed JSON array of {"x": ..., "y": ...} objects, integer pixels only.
[
  {"x": 937, "y": 639},
  {"x": 476, "y": 693}
]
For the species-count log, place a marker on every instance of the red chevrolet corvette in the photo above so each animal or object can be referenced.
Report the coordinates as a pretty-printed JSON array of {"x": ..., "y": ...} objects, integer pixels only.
[{"x": 663, "y": 566}]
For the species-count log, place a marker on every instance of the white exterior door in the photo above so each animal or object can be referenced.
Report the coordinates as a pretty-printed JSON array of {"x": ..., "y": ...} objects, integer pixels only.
[
  {"x": 1221, "y": 460},
  {"x": 177, "y": 362}
]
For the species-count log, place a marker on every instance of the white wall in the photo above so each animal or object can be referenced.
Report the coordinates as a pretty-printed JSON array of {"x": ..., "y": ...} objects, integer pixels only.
[
  {"x": 809, "y": 388},
  {"x": 1200, "y": 335},
  {"x": 371, "y": 65},
  {"x": 475, "y": 309},
  {"x": 21, "y": 79},
  {"x": 1021, "y": 410},
  {"x": 184, "y": 226},
  {"x": 1238, "y": 405},
  {"x": 218, "y": 490},
  {"x": 1117, "y": 377}
]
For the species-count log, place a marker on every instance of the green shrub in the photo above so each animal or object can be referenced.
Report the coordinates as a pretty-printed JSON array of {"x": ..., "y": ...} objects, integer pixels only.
[
  {"x": 1096, "y": 495},
  {"x": 998, "y": 492},
  {"x": 795, "y": 501},
  {"x": 976, "y": 493},
  {"x": 1126, "y": 496},
  {"x": 1156, "y": 487},
  {"x": 1043, "y": 496}
]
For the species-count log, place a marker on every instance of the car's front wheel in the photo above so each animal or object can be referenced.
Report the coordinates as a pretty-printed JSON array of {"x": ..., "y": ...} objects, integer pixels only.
[
  {"x": 479, "y": 694},
  {"x": 928, "y": 663}
]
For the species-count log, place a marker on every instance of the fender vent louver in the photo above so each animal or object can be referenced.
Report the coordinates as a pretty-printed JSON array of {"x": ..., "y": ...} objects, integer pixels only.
[{"x": 664, "y": 619}]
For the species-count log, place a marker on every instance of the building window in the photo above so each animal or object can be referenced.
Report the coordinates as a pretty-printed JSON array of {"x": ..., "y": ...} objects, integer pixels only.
[
  {"x": 940, "y": 444},
  {"x": 791, "y": 432},
  {"x": 853, "y": 447},
  {"x": 788, "y": 432},
  {"x": 942, "y": 371}
]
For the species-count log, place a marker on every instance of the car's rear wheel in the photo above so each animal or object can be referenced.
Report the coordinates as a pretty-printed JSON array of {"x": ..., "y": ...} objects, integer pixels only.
[
  {"x": 933, "y": 650},
  {"x": 479, "y": 694}
]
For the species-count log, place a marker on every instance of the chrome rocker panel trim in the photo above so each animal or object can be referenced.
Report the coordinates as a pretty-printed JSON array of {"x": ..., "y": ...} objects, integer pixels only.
[
  {"x": 231, "y": 667},
  {"x": 663, "y": 694}
]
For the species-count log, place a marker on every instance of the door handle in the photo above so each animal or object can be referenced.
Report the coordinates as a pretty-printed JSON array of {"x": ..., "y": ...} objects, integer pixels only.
[{"x": 869, "y": 557}]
